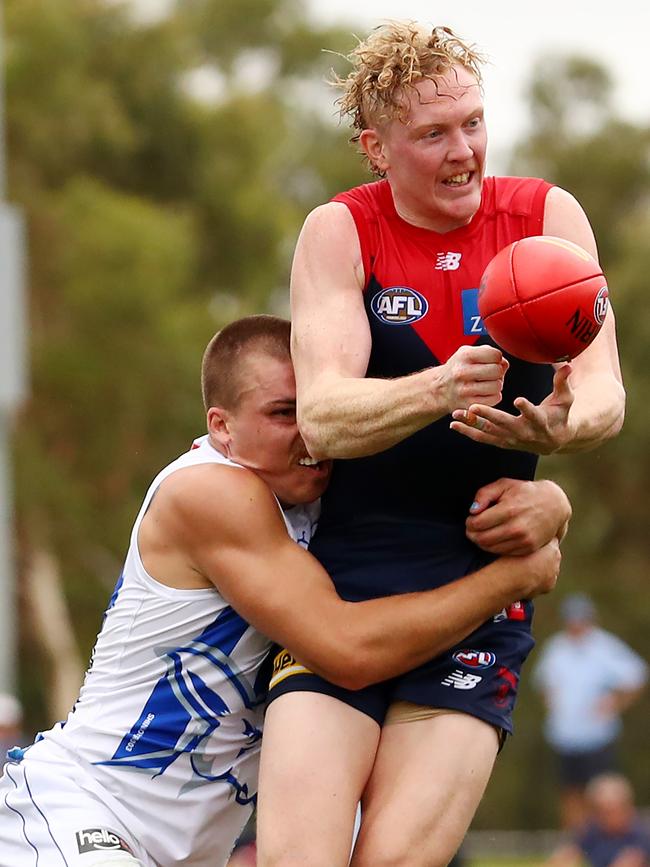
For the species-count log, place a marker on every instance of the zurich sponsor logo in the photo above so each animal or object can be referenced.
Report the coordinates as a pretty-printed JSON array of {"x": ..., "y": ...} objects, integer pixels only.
[
  {"x": 399, "y": 305},
  {"x": 601, "y": 304},
  {"x": 475, "y": 658}
]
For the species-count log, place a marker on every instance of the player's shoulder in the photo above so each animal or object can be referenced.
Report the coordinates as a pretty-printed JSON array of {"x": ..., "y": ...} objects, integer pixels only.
[
  {"x": 369, "y": 198},
  {"x": 329, "y": 230},
  {"x": 214, "y": 492},
  {"x": 513, "y": 194},
  {"x": 371, "y": 194}
]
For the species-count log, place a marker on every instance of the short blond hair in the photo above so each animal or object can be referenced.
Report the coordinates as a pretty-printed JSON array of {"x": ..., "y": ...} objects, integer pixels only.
[
  {"x": 224, "y": 360},
  {"x": 392, "y": 59}
]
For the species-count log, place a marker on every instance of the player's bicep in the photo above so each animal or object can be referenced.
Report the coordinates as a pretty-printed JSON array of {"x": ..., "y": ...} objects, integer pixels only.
[
  {"x": 330, "y": 333},
  {"x": 565, "y": 218},
  {"x": 274, "y": 584}
]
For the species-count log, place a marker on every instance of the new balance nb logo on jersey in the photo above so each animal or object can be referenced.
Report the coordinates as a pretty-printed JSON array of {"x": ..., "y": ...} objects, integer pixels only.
[
  {"x": 459, "y": 680},
  {"x": 100, "y": 840},
  {"x": 448, "y": 261}
]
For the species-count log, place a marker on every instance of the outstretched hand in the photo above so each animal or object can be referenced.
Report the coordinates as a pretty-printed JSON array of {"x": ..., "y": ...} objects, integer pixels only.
[{"x": 539, "y": 429}]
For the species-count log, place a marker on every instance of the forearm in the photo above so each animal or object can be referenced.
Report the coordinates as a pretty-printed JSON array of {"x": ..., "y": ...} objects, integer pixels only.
[
  {"x": 352, "y": 417},
  {"x": 385, "y": 637},
  {"x": 596, "y": 414}
]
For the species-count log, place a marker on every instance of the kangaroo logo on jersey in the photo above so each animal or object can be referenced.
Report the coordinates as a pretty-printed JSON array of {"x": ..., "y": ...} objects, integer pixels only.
[
  {"x": 475, "y": 658},
  {"x": 183, "y": 710},
  {"x": 472, "y": 322},
  {"x": 399, "y": 305}
]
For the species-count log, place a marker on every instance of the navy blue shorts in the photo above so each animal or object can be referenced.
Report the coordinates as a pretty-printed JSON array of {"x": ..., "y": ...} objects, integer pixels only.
[{"x": 478, "y": 676}]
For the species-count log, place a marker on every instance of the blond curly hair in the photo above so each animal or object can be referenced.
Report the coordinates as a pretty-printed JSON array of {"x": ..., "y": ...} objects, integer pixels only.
[{"x": 394, "y": 57}]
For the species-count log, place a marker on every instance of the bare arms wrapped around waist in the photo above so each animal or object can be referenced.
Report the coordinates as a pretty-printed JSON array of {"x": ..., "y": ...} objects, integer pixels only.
[{"x": 384, "y": 556}]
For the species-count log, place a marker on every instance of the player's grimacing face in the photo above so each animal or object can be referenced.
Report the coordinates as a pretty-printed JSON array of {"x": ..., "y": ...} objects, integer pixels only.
[
  {"x": 264, "y": 434},
  {"x": 434, "y": 159}
]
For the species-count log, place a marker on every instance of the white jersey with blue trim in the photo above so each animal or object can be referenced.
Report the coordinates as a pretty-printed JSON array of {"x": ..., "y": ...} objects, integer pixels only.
[{"x": 167, "y": 726}]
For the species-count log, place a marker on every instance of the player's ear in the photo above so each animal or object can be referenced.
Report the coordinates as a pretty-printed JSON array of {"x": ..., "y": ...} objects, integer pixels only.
[
  {"x": 372, "y": 144},
  {"x": 219, "y": 426}
]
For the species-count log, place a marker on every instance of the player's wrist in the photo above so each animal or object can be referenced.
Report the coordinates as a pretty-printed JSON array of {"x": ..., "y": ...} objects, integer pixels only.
[{"x": 438, "y": 397}]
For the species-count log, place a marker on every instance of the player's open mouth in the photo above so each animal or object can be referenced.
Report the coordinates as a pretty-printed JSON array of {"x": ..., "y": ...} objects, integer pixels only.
[
  {"x": 458, "y": 180},
  {"x": 321, "y": 467},
  {"x": 309, "y": 462}
]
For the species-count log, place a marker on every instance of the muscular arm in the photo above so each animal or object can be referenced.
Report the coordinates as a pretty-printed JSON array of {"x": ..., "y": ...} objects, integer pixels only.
[
  {"x": 587, "y": 404},
  {"x": 598, "y": 407},
  {"x": 229, "y": 530},
  {"x": 341, "y": 414}
]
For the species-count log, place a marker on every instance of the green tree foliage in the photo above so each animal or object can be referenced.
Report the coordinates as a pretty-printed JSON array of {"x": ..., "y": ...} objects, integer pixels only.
[
  {"x": 155, "y": 215},
  {"x": 578, "y": 142}
]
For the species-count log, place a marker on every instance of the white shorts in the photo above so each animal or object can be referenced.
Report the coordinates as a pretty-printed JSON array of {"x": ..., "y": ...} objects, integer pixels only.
[{"x": 48, "y": 819}]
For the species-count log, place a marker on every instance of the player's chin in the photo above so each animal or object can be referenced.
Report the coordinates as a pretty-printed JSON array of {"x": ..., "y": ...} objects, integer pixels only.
[{"x": 311, "y": 480}]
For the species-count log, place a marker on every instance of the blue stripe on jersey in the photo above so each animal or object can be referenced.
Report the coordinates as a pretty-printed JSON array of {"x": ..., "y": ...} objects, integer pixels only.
[
  {"x": 19, "y": 814},
  {"x": 182, "y": 711},
  {"x": 39, "y": 811},
  {"x": 114, "y": 595}
]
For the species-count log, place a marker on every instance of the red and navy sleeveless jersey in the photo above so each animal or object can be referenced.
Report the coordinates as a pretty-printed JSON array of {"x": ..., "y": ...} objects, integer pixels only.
[{"x": 421, "y": 301}]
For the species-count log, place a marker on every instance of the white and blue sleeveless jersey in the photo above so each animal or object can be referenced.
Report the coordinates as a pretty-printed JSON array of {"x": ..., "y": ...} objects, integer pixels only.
[{"x": 168, "y": 722}]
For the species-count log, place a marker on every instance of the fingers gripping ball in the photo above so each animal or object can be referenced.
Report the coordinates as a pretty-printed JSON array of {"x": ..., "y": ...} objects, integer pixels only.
[{"x": 543, "y": 299}]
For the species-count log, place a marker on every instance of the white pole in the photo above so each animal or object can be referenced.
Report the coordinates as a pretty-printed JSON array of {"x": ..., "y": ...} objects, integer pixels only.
[{"x": 12, "y": 392}]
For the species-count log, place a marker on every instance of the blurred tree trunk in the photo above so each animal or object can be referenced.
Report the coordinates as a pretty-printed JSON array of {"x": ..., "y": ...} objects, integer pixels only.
[{"x": 52, "y": 629}]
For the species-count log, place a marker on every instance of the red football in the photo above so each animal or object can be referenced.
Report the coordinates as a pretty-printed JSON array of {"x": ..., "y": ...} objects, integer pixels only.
[{"x": 543, "y": 299}]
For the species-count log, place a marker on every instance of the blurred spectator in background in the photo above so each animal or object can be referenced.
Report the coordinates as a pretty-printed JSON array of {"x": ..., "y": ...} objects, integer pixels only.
[
  {"x": 614, "y": 835},
  {"x": 588, "y": 677},
  {"x": 11, "y": 718}
]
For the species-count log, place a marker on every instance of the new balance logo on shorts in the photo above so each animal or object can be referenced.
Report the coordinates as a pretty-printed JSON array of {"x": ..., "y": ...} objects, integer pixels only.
[
  {"x": 459, "y": 680},
  {"x": 100, "y": 840}
]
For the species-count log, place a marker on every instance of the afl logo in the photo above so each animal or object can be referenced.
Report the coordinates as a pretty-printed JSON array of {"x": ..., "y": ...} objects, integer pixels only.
[
  {"x": 475, "y": 658},
  {"x": 600, "y": 305},
  {"x": 399, "y": 305}
]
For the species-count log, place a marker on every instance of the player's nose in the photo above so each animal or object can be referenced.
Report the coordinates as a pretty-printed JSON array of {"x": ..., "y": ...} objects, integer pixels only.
[{"x": 459, "y": 147}]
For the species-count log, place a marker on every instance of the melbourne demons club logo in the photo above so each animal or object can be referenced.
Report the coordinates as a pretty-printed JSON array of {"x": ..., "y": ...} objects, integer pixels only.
[
  {"x": 475, "y": 658},
  {"x": 399, "y": 305}
]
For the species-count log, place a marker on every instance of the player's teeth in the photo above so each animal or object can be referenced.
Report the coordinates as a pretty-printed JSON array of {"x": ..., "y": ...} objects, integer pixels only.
[
  {"x": 308, "y": 462},
  {"x": 459, "y": 179}
]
